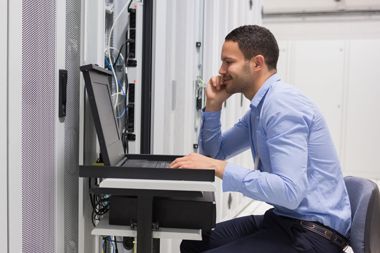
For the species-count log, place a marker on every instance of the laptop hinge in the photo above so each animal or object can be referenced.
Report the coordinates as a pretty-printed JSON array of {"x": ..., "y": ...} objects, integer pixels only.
[{"x": 122, "y": 161}]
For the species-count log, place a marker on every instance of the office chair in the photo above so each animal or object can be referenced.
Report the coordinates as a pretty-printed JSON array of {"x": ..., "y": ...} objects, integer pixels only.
[{"x": 365, "y": 207}]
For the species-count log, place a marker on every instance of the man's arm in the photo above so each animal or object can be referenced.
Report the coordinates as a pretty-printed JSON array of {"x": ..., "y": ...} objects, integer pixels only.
[
  {"x": 211, "y": 142},
  {"x": 214, "y": 144}
]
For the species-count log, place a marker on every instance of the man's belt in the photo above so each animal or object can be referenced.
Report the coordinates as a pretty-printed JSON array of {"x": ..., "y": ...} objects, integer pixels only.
[{"x": 325, "y": 232}]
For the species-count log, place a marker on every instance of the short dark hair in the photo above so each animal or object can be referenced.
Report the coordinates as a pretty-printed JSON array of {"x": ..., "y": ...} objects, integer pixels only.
[{"x": 254, "y": 40}]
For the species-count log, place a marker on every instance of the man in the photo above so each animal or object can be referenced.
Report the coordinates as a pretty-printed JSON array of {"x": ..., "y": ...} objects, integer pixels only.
[{"x": 296, "y": 166}]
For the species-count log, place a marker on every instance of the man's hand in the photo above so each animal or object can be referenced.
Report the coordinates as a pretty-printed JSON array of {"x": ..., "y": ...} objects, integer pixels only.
[
  {"x": 197, "y": 161},
  {"x": 216, "y": 94}
]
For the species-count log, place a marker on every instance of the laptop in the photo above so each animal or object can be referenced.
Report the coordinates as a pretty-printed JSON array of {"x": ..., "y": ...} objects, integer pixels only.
[{"x": 121, "y": 165}]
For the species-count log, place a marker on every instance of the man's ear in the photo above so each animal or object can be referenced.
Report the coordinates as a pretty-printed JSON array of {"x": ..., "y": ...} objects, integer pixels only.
[{"x": 258, "y": 62}]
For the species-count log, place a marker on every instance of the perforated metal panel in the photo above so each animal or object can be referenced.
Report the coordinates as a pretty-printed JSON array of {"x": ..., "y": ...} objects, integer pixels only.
[
  {"x": 73, "y": 10},
  {"x": 38, "y": 111}
]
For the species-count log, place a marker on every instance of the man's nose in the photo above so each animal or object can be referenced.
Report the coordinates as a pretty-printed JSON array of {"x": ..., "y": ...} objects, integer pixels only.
[{"x": 222, "y": 70}]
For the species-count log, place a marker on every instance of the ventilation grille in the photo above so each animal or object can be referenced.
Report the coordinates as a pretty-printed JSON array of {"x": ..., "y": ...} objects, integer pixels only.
[{"x": 38, "y": 111}]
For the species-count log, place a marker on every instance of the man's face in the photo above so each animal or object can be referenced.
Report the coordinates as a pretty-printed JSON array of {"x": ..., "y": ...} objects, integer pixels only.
[{"x": 235, "y": 69}]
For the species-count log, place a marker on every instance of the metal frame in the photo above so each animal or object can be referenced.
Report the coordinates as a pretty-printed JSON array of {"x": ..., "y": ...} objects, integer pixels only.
[
  {"x": 146, "y": 89},
  {"x": 134, "y": 76},
  {"x": 14, "y": 126},
  {"x": 145, "y": 197},
  {"x": 71, "y": 154},
  {"x": 14, "y": 146},
  {"x": 4, "y": 127},
  {"x": 92, "y": 51},
  {"x": 60, "y": 46}
]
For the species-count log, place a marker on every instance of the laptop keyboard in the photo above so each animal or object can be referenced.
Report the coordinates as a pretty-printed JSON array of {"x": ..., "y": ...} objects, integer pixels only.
[{"x": 146, "y": 164}]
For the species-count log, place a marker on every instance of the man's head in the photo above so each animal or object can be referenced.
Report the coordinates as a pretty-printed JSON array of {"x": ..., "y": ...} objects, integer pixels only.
[
  {"x": 249, "y": 57},
  {"x": 256, "y": 40}
]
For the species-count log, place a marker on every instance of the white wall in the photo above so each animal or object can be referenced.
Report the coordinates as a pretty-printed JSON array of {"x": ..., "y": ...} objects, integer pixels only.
[
  {"x": 298, "y": 5},
  {"x": 335, "y": 61},
  {"x": 279, "y": 6},
  {"x": 362, "y": 135}
]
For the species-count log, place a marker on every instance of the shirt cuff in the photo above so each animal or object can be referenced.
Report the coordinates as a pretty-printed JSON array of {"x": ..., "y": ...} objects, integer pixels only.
[
  {"x": 233, "y": 178},
  {"x": 211, "y": 120}
]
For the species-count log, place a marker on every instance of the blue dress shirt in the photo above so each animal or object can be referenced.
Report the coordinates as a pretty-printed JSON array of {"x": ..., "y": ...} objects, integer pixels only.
[{"x": 298, "y": 170}]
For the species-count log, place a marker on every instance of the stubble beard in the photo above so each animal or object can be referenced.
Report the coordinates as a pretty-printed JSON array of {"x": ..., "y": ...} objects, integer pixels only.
[{"x": 235, "y": 85}]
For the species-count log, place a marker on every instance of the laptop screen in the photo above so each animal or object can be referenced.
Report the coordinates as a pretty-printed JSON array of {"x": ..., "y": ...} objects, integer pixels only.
[{"x": 98, "y": 86}]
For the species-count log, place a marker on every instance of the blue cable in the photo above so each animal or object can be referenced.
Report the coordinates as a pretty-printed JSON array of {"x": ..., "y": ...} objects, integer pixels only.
[{"x": 122, "y": 114}]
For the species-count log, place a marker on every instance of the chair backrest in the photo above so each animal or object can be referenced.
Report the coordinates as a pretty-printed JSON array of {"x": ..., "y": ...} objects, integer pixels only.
[{"x": 365, "y": 207}]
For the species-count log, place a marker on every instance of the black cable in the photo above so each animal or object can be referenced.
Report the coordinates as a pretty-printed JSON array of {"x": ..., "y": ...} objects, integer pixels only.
[
  {"x": 116, "y": 249},
  {"x": 129, "y": 5},
  {"x": 92, "y": 196},
  {"x": 118, "y": 55},
  {"x": 99, "y": 209},
  {"x": 93, "y": 217},
  {"x": 100, "y": 206}
]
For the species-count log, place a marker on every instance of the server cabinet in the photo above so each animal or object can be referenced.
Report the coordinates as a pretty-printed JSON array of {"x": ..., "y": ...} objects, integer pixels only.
[{"x": 42, "y": 142}]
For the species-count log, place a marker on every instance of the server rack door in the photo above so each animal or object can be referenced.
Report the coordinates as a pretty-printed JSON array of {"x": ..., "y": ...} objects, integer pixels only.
[{"x": 3, "y": 128}]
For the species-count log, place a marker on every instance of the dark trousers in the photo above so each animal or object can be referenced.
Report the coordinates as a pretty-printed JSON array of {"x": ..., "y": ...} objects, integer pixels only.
[{"x": 267, "y": 233}]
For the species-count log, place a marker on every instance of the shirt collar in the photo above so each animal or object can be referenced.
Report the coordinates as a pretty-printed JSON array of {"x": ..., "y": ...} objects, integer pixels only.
[{"x": 263, "y": 90}]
